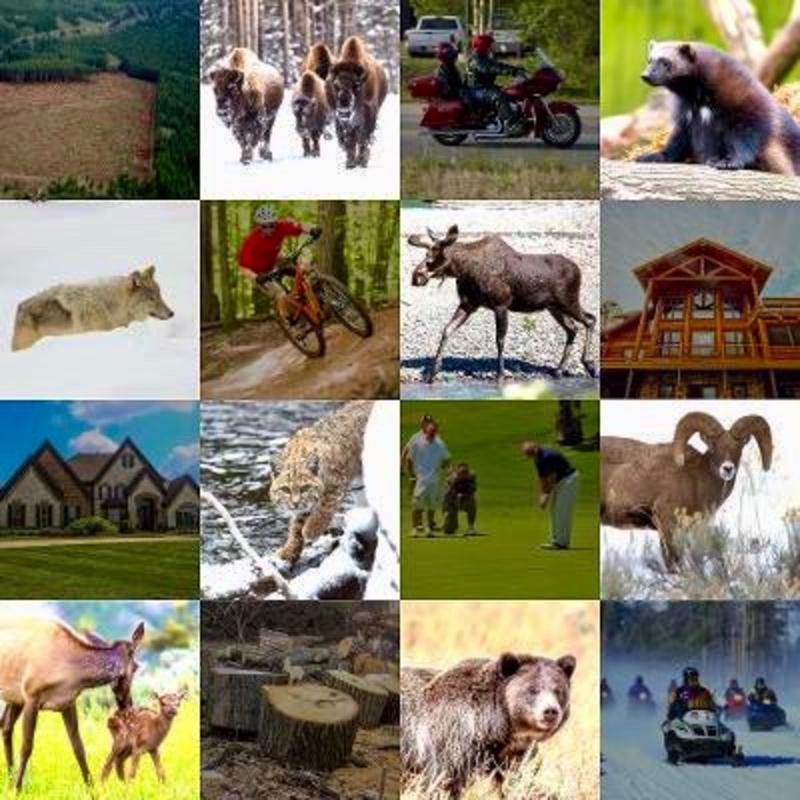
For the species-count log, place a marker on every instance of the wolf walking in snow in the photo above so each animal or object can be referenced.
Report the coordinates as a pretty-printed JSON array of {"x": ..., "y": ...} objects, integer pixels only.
[{"x": 100, "y": 305}]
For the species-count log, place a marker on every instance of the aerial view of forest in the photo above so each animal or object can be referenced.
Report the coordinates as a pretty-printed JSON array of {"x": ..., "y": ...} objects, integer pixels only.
[{"x": 100, "y": 98}]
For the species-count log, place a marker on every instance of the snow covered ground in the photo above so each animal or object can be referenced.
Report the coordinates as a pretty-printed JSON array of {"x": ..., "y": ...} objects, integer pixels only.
[
  {"x": 289, "y": 176},
  {"x": 759, "y": 499},
  {"x": 44, "y": 244}
]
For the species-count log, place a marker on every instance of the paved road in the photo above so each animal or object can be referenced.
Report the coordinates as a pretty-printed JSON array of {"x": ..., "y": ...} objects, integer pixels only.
[
  {"x": 585, "y": 150},
  {"x": 22, "y": 544}
]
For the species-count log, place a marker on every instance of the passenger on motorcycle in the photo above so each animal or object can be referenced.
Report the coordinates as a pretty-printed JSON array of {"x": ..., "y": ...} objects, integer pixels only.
[
  {"x": 762, "y": 693},
  {"x": 690, "y": 695},
  {"x": 482, "y": 72},
  {"x": 448, "y": 76}
]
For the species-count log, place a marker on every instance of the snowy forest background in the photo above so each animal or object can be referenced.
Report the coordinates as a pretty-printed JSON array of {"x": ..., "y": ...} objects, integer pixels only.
[{"x": 282, "y": 31}]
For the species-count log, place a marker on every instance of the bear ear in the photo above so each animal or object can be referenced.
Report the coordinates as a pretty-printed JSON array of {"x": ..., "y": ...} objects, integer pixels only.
[
  {"x": 508, "y": 664},
  {"x": 567, "y": 664},
  {"x": 687, "y": 51}
]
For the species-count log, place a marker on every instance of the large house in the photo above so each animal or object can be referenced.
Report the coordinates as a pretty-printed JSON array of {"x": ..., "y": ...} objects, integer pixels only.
[
  {"x": 705, "y": 330},
  {"x": 48, "y": 492}
]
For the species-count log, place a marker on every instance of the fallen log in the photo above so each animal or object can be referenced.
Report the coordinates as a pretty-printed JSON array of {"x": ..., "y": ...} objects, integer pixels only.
[
  {"x": 307, "y": 725},
  {"x": 371, "y": 698},
  {"x": 236, "y": 696},
  {"x": 633, "y": 180}
]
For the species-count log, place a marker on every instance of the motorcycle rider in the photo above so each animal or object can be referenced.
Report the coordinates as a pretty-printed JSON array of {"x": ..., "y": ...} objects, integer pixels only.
[
  {"x": 639, "y": 692},
  {"x": 690, "y": 695},
  {"x": 482, "y": 72},
  {"x": 761, "y": 693}
]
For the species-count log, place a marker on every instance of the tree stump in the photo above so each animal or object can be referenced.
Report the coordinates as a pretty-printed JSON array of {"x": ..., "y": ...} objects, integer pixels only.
[
  {"x": 236, "y": 696},
  {"x": 307, "y": 725},
  {"x": 632, "y": 180},
  {"x": 370, "y": 697},
  {"x": 391, "y": 684}
]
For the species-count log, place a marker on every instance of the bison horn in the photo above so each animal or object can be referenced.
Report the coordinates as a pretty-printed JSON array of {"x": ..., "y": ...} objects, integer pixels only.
[
  {"x": 415, "y": 240},
  {"x": 757, "y": 427},
  {"x": 688, "y": 426}
]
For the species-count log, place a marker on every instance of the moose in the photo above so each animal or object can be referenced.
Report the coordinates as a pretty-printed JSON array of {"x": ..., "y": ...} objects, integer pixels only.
[
  {"x": 45, "y": 664},
  {"x": 489, "y": 273}
]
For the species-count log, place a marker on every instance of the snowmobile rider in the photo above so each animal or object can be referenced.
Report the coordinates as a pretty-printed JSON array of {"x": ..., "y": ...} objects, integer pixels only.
[
  {"x": 690, "y": 695},
  {"x": 482, "y": 72},
  {"x": 733, "y": 690},
  {"x": 260, "y": 254},
  {"x": 606, "y": 693},
  {"x": 638, "y": 689},
  {"x": 761, "y": 693}
]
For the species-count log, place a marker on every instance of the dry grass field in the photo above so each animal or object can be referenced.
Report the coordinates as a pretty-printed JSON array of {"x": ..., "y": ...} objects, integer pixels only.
[
  {"x": 439, "y": 634},
  {"x": 92, "y": 131}
]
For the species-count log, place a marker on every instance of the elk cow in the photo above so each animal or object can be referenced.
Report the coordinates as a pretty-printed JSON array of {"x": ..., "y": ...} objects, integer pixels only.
[
  {"x": 490, "y": 274},
  {"x": 45, "y": 664}
]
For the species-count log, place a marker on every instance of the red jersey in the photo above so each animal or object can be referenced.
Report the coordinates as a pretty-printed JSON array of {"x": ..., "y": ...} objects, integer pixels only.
[{"x": 260, "y": 250}]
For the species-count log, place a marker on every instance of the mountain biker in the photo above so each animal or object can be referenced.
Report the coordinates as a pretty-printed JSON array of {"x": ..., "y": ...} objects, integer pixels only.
[
  {"x": 260, "y": 254},
  {"x": 482, "y": 72},
  {"x": 690, "y": 695},
  {"x": 639, "y": 691},
  {"x": 762, "y": 693}
]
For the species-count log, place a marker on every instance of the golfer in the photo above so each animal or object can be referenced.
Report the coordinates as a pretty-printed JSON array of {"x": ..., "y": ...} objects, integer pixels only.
[
  {"x": 425, "y": 456},
  {"x": 558, "y": 484}
]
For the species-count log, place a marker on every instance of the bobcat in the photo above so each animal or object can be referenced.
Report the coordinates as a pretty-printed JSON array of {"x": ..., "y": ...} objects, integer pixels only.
[{"x": 314, "y": 473}]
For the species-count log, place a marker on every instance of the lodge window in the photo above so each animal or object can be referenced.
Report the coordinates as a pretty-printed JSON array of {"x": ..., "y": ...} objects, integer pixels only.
[
  {"x": 670, "y": 343},
  {"x": 44, "y": 515},
  {"x": 666, "y": 391},
  {"x": 788, "y": 391},
  {"x": 739, "y": 391},
  {"x": 784, "y": 335},
  {"x": 702, "y": 343},
  {"x": 703, "y": 391},
  {"x": 703, "y": 304},
  {"x": 16, "y": 515},
  {"x": 735, "y": 343},
  {"x": 672, "y": 308},
  {"x": 733, "y": 307}
]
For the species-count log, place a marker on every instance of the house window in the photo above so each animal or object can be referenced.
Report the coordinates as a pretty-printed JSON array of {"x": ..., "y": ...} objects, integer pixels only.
[
  {"x": 703, "y": 343},
  {"x": 703, "y": 304},
  {"x": 672, "y": 308},
  {"x": 670, "y": 343},
  {"x": 735, "y": 343},
  {"x": 739, "y": 391},
  {"x": 44, "y": 515},
  {"x": 16, "y": 515},
  {"x": 733, "y": 307},
  {"x": 666, "y": 390},
  {"x": 119, "y": 491}
]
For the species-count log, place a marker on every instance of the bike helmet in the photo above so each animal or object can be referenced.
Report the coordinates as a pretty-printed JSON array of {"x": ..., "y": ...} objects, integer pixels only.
[
  {"x": 264, "y": 216},
  {"x": 691, "y": 675},
  {"x": 482, "y": 43},
  {"x": 446, "y": 53}
]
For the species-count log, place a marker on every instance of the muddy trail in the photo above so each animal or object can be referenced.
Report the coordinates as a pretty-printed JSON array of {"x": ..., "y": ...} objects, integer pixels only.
[{"x": 256, "y": 362}]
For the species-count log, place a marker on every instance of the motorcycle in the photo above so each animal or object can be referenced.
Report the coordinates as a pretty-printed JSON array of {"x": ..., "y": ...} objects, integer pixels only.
[
  {"x": 698, "y": 736},
  {"x": 452, "y": 121},
  {"x": 765, "y": 716},
  {"x": 735, "y": 706}
]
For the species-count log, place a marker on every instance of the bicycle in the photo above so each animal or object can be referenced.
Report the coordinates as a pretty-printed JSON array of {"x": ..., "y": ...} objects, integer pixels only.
[{"x": 312, "y": 300}]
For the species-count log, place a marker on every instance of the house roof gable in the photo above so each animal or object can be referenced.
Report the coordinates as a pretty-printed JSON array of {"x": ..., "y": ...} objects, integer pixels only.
[
  {"x": 128, "y": 442},
  {"x": 175, "y": 486},
  {"x": 32, "y": 461}
]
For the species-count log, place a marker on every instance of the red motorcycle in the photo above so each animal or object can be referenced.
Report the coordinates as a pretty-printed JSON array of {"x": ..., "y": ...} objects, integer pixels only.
[{"x": 452, "y": 122}]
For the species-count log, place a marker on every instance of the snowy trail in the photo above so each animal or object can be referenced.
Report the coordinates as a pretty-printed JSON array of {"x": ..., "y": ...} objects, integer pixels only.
[
  {"x": 635, "y": 766},
  {"x": 290, "y": 176}
]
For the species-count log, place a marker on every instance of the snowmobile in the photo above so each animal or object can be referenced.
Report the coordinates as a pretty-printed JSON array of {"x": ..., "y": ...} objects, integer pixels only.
[
  {"x": 765, "y": 716},
  {"x": 606, "y": 697},
  {"x": 698, "y": 736},
  {"x": 641, "y": 704},
  {"x": 735, "y": 706}
]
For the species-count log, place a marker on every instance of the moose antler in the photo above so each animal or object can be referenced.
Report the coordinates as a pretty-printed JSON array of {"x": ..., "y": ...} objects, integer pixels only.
[
  {"x": 415, "y": 240},
  {"x": 757, "y": 427},
  {"x": 688, "y": 426}
]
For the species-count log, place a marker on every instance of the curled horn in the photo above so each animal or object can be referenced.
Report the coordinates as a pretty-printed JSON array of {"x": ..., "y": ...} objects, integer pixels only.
[
  {"x": 688, "y": 426},
  {"x": 757, "y": 427},
  {"x": 415, "y": 240}
]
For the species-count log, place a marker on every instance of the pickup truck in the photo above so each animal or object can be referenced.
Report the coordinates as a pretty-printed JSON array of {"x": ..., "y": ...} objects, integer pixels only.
[{"x": 433, "y": 31}]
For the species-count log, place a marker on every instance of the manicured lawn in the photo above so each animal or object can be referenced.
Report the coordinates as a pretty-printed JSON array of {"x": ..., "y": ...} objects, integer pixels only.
[
  {"x": 154, "y": 570},
  {"x": 506, "y": 562}
]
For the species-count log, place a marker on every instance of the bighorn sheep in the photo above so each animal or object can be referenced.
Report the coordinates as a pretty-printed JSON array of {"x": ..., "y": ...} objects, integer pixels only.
[
  {"x": 490, "y": 274},
  {"x": 650, "y": 485}
]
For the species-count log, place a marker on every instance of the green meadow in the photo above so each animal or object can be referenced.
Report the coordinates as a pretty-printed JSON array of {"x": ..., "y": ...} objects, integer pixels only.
[{"x": 505, "y": 561}]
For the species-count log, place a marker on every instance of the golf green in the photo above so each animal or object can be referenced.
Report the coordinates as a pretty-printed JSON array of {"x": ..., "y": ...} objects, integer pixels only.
[{"x": 506, "y": 559}]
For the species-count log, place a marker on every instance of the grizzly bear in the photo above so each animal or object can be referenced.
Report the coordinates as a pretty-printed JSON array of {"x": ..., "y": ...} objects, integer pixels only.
[
  {"x": 480, "y": 717},
  {"x": 723, "y": 117}
]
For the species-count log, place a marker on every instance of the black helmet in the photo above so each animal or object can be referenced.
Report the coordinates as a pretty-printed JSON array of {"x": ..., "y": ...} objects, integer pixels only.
[
  {"x": 690, "y": 673},
  {"x": 760, "y": 683},
  {"x": 639, "y": 679},
  {"x": 446, "y": 53}
]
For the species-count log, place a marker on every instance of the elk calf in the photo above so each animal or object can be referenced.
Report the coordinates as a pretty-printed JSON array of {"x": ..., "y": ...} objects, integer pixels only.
[{"x": 137, "y": 731}]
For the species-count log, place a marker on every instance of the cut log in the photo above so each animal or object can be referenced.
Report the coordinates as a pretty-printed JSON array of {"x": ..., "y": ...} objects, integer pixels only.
[
  {"x": 274, "y": 643},
  {"x": 391, "y": 684},
  {"x": 371, "y": 698},
  {"x": 307, "y": 725},
  {"x": 236, "y": 696},
  {"x": 632, "y": 180}
]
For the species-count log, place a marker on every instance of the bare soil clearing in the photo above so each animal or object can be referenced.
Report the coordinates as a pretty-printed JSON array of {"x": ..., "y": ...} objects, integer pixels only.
[{"x": 91, "y": 130}]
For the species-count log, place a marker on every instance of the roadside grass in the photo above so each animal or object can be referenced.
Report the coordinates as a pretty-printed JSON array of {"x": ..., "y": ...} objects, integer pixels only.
[
  {"x": 440, "y": 634},
  {"x": 152, "y": 570},
  {"x": 53, "y": 771},
  {"x": 505, "y": 562},
  {"x": 477, "y": 179}
]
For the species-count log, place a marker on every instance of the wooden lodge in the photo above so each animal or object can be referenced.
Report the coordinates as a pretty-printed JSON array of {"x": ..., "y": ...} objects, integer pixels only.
[{"x": 705, "y": 330}]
